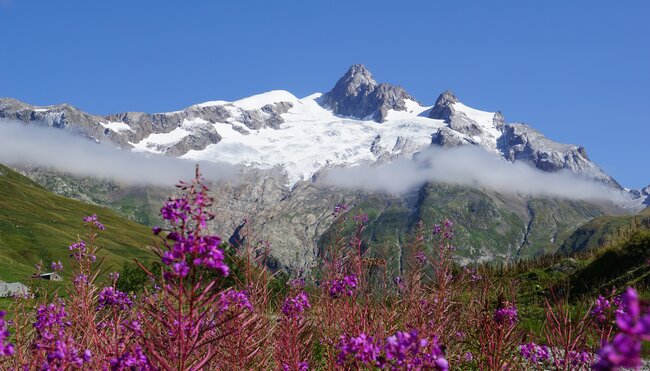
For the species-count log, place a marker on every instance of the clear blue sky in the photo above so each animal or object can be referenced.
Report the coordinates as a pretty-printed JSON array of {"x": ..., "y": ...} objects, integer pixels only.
[{"x": 579, "y": 71}]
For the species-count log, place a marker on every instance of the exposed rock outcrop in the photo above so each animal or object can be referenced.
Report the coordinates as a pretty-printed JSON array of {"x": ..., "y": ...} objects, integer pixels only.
[{"x": 358, "y": 95}]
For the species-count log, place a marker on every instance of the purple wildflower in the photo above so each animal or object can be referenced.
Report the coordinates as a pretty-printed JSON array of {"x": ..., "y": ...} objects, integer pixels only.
[
  {"x": 598, "y": 312},
  {"x": 202, "y": 250},
  {"x": 634, "y": 326},
  {"x": 176, "y": 210},
  {"x": 51, "y": 337},
  {"x": 340, "y": 209},
  {"x": 506, "y": 315},
  {"x": 80, "y": 252},
  {"x": 361, "y": 349},
  {"x": 111, "y": 297},
  {"x": 343, "y": 286},
  {"x": 234, "y": 300},
  {"x": 293, "y": 307},
  {"x": 534, "y": 353},
  {"x": 407, "y": 350},
  {"x": 57, "y": 266},
  {"x": 80, "y": 279},
  {"x": 135, "y": 360},
  {"x": 421, "y": 257},
  {"x": 623, "y": 351},
  {"x": 302, "y": 366},
  {"x": 93, "y": 221},
  {"x": 6, "y": 348},
  {"x": 579, "y": 359}
]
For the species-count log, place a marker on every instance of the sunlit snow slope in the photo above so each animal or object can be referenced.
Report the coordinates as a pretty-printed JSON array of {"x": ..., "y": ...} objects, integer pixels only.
[{"x": 310, "y": 138}]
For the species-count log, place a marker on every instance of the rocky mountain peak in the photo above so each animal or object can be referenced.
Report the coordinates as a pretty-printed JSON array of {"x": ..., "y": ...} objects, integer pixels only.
[
  {"x": 358, "y": 95},
  {"x": 443, "y": 109},
  {"x": 357, "y": 80}
]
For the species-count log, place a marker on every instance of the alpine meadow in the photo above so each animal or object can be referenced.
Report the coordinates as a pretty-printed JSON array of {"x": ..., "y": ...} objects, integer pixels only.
[{"x": 228, "y": 188}]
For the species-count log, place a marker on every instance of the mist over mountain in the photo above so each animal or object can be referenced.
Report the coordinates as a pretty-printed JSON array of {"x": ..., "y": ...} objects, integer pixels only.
[{"x": 43, "y": 146}]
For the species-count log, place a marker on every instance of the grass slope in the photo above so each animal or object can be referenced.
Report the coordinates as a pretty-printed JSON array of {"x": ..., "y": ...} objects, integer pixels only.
[
  {"x": 488, "y": 226},
  {"x": 38, "y": 225},
  {"x": 603, "y": 231}
]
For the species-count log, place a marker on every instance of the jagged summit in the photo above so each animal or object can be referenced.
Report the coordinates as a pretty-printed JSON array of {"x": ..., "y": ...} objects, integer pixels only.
[
  {"x": 305, "y": 135},
  {"x": 358, "y": 95},
  {"x": 357, "y": 81},
  {"x": 443, "y": 109}
]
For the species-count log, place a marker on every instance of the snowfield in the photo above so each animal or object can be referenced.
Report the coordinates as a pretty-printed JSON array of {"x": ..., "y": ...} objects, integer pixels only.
[{"x": 311, "y": 137}]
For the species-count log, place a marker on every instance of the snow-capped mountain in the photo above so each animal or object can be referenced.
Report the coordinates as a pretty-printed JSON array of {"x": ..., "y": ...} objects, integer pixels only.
[{"x": 359, "y": 120}]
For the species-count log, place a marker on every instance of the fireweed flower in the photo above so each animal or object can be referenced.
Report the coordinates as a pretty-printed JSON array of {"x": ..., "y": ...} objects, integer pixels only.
[
  {"x": 93, "y": 221},
  {"x": 6, "y": 348},
  {"x": 339, "y": 209},
  {"x": 57, "y": 266},
  {"x": 421, "y": 257},
  {"x": 80, "y": 279},
  {"x": 185, "y": 244},
  {"x": 534, "y": 353},
  {"x": 598, "y": 312},
  {"x": 51, "y": 338},
  {"x": 111, "y": 297},
  {"x": 135, "y": 360},
  {"x": 360, "y": 349},
  {"x": 79, "y": 251},
  {"x": 234, "y": 300},
  {"x": 302, "y": 366},
  {"x": 506, "y": 315},
  {"x": 407, "y": 350},
  {"x": 579, "y": 359},
  {"x": 634, "y": 326},
  {"x": 343, "y": 286},
  {"x": 295, "y": 306}
]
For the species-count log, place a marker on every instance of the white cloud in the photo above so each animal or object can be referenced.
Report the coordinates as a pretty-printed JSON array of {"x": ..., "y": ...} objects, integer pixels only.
[
  {"x": 472, "y": 167},
  {"x": 40, "y": 146}
]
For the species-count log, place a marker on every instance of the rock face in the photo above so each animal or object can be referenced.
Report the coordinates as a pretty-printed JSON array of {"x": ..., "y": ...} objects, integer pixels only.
[
  {"x": 514, "y": 142},
  {"x": 128, "y": 128},
  {"x": 641, "y": 196},
  {"x": 447, "y": 137},
  {"x": 63, "y": 116},
  {"x": 358, "y": 95},
  {"x": 520, "y": 142},
  {"x": 443, "y": 109}
]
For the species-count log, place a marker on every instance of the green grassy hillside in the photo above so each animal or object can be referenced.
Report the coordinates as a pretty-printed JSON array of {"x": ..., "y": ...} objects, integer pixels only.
[
  {"x": 36, "y": 224},
  {"x": 624, "y": 263},
  {"x": 488, "y": 226},
  {"x": 604, "y": 230}
]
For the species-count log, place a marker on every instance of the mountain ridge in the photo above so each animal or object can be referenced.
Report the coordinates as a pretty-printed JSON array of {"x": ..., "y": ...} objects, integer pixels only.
[
  {"x": 295, "y": 139},
  {"x": 357, "y": 105}
]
